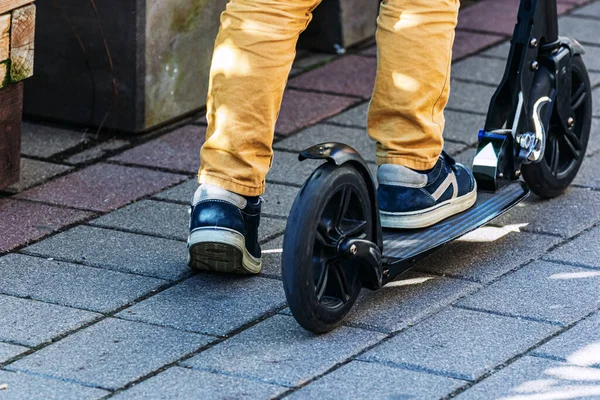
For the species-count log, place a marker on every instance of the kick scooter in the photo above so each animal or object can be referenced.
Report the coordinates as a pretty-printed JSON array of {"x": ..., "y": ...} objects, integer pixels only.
[{"x": 537, "y": 128}]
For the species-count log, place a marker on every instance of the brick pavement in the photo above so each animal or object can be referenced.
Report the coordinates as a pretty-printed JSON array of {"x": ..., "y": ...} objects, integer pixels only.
[{"x": 96, "y": 300}]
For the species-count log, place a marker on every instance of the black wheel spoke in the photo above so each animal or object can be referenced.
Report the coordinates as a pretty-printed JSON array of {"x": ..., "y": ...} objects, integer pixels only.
[
  {"x": 353, "y": 228},
  {"x": 340, "y": 276},
  {"x": 555, "y": 160},
  {"x": 323, "y": 279},
  {"x": 573, "y": 144},
  {"x": 578, "y": 98},
  {"x": 323, "y": 236},
  {"x": 344, "y": 203}
]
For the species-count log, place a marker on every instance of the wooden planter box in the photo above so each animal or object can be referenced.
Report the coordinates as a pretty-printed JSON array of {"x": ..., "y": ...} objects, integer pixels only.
[
  {"x": 125, "y": 65},
  {"x": 338, "y": 24},
  {"x": 17, "y": 27}
]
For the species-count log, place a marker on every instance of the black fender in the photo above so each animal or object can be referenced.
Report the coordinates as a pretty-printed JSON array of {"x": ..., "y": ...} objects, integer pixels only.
[
  {"x": 574, "y": 46},
  {"x": 340, "y": 154}
]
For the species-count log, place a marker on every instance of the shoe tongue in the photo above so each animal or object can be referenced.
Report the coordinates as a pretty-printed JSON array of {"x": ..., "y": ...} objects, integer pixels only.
[{"x": 211, "y": 192}]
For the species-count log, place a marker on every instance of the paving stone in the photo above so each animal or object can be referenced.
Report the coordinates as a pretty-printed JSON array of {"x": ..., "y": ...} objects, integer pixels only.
[
  {"x": 500, "y": 50},
  {"x": 136, "y": 254},
  {"x": 356, "y": 116},
  {"x": 581, "y": 29},
  {"x": 535, "y": 378},
  {"x": 279, "y": 351},
  {"x": 463, "y": 127},
  {"x": 356, "y": 138},
  {"x": 459, "y": 343},
  {"x": 311, "y": 60},
  {"x": 487, "y": 253},
  {"x": 583, "y": 250},
  {"x": 149, "y": 217},
  {"x": 301, "y": 109},
  {"x": 478, "y": 17},
  {"x": 587, "y": 175},
  {"x": 71, "y": 285},
  {"x": 181, "y": 193},
  {"x": 480, "y": 70},
  {"x": 102, "y": 187},
  {"x": 8, "y": 351},
  {"x": 594, "y": 143},
  {"x": 178, "y": 150},
  {"x": 31, "y": 323},
  {"x": 97, "y": 152},
  {"x": 470, "y": 97},
  {"x": 22, "y": 386},
  {"x": 184, "y": 383},
  {"x": 405, "y": 301},
  {"x": 271, "y": 257},
  {"x": 23, "y": 221},
  {"x": 556, "y": 293},
  {"x": 45, "y": 140},
  {"x": 111, "y": 353},
  {"x": 591, "y": 10},
  {"x": 578, "y": 346},
  {"x": 361, "y": 380},
  {"x": 212, "y": 304},
  {"x": 34, "y": 172},
  {"x": 286, "y": 168},
  {"x": 596, "y": 98},
  {"x": 550, "y": 216},
  {"x": 592, "y": 57},
  {"x": 468, "y": 43},
  {"x": 350, "y": 75}
]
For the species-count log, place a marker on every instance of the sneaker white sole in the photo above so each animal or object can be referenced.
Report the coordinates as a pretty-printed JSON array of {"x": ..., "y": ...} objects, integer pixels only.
[
  {"x": 221, "y": 250},
  {"x": 429, "y": 216}
]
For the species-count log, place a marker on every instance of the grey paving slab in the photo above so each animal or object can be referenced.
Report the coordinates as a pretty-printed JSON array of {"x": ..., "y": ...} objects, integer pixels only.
[
  {"x": 588, "y": 174},
  {"x": 34, "y": 172},
  {"x": 356, "y": 138},
  {"x": 271, "y": 257},
  {"x": 150, "y": 217},
  {"x": 591, "y": 10},
  {"x": 480, "y": 70},
  {"x": 111, "y": 353},
  {"x": 535, "y": 378},
  {"x": 213, "y": 304},
  {"x": 459, "y": 343},
  {"x": 463, "y": 127},
  {"x": 404, "y": 301},
  {"x": 31, "y": 323},
  {"x": 470, "y": 97},
  {"x": 596, "y": 100},
  {"x": 487, "y": 253},
  {"x": 592, "y": 54},
  {"x": 181, "y": 193},
  {"x": 594, "y": 143},
  {"x": 97, "y": 152},
  {"x": 184, "y": 383},
  {"x": 580, "y": 345},
  {"x": 583, "y": 250},
  {"x": 356, "y": 116},
  {"x": 119, "y": 251},
  {"x": 279, "y": 351},
  {"x": 20, "y": 386},
  {"x": 582, "y": 29},
  {"x": 566, "y": 215},
  {"x": 500, "y": 50},
  {"x": 45, "y": 141},
  {"x": 546, "y": 291},
  {"x": 8, "y": 351},
  {"x": 364, "y": 380},
  {"x": 71, "y": 285}
]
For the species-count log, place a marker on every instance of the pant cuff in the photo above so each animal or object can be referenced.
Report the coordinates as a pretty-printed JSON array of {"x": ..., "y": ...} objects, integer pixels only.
[
  {"x": 228, "y": 184},
  {"x": 412, "y": 163}
]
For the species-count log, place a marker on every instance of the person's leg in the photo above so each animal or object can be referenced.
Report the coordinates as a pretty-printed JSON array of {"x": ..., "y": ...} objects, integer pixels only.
[
  {"x": 417, "y": 186},
  {"x": 253, "y": 56}
]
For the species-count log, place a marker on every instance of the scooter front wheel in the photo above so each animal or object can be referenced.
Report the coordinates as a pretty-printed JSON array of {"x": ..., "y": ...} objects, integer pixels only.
[{"x": 332, "y": 206}]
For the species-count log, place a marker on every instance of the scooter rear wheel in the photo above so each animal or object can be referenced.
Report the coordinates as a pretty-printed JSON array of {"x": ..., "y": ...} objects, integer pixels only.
[
  {"x": 565, "y": 149},
  {"x": 320, "y": 287}
]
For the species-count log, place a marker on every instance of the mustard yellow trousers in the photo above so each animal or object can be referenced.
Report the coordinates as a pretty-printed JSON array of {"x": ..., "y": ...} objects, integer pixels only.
[{"x": 254, "y": 52}]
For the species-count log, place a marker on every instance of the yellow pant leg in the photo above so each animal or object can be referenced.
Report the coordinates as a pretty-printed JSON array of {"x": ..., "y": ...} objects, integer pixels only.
[
  {"x": 253, "y": 55},
  {"x": 414, "y": 39}
]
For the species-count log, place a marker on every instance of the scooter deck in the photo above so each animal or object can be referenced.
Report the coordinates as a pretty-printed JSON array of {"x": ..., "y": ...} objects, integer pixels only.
[{"x": 402, "y": 248}]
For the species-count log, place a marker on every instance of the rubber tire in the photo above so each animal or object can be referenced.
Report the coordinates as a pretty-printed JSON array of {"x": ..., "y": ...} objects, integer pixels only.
[
  {"x": 298, "y": 244},
  {"x": 538, "y": 176}
]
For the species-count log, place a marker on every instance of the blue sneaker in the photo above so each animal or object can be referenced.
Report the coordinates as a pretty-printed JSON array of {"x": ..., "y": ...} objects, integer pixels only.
[
  {"x": 224, "y": 231},
  {"x": 409, "y": 199}
]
